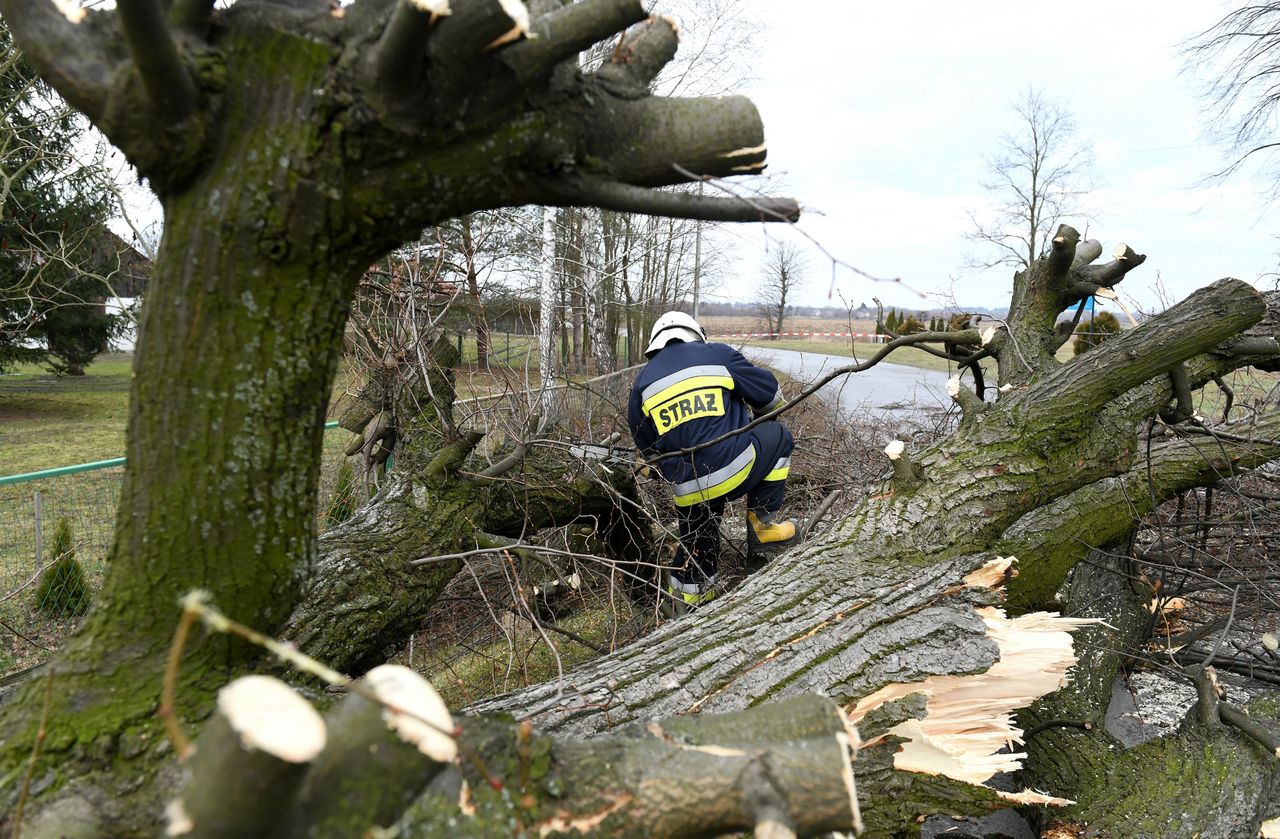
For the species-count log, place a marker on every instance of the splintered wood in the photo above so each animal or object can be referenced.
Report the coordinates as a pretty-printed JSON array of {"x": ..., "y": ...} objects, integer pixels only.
[
  {"x": 969, "y": 719},
  {"x": 992, "y": 575}
]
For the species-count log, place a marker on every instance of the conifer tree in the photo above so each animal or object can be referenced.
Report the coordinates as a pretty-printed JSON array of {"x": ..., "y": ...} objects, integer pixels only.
[
  {"x": 64, "y": 588},
  {"x": 55, "y": 248}
]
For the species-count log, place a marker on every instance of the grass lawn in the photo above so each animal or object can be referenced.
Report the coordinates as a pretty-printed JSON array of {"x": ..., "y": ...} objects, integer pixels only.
[{"x": 48, "y": 421}]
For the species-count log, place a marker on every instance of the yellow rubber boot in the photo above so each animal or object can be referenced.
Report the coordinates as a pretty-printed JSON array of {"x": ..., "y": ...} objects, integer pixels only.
[{"x": 768, "y": 536}]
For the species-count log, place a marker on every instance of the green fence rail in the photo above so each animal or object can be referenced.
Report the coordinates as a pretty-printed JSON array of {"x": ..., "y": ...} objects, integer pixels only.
[{"x": 92, "y": 466}]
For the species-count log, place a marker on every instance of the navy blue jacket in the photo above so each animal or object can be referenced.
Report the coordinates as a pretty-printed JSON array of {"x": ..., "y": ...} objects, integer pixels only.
[{"x": 690, "y": 393}]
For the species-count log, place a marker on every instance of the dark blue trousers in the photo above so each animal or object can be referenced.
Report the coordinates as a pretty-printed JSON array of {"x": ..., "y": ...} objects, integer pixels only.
[{"x": 699, "y": 556}]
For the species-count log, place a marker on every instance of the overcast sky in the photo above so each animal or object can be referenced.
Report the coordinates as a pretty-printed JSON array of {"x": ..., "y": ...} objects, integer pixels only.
[{"x": 880, "y": 119}]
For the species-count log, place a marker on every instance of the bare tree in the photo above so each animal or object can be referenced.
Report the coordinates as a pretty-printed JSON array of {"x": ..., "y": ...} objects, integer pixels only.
[
  {"x": 783, "y": 276},
  {"x": 1038, "y": 177},
  {"x": 1239, "y": 56}
]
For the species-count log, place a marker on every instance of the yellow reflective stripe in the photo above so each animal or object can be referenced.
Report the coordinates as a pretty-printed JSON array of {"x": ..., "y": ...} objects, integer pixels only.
[
  {"x": 778, "y": 474},
  {"x": 725, "y": 487},
  {"x": 682, "y": 386}
]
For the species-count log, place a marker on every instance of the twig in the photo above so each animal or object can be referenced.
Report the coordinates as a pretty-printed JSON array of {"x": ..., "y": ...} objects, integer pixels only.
[
  {"x": 30, "y": 641},
  {"x": 1235, "y": 717},
  {"x": 819, "y": 513},
  {"x": 514, "y": 546},
  {"x": 763, "y": 210},
  {"x": 573, "y": 636},
  {"x": 1196, "y": 428},
  {"x": 167, "y": 711},
  {"x": 1235, "y": 596},
  {"x": 41, "y": 733},
  {"x": 15, "y": 592}
]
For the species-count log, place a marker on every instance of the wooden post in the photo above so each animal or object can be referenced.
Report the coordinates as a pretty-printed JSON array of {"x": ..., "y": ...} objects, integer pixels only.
[{"x": 38, "y": 504}]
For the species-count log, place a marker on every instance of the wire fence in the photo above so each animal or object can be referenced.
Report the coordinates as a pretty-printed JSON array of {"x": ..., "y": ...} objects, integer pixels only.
[
  {"x": 55, "y": 532},
  {"x": 56, "y": 525},
  {"x": 56, "y": 528}
]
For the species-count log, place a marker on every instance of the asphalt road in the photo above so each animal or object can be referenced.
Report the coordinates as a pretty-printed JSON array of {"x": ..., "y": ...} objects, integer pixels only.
[{"x": 885, "y": 388}]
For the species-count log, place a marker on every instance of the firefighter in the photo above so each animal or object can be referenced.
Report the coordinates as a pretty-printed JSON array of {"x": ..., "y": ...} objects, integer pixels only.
[{"x": 690, "y": 393}]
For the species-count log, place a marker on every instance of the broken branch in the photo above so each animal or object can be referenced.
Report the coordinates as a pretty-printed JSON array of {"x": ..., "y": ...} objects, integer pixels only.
[
  {"x": 1063, "y": 251},
  {"x": 638, "y": 59},
  {"x": 563, "y": 33},
  {"x": 398, "y": 59}
]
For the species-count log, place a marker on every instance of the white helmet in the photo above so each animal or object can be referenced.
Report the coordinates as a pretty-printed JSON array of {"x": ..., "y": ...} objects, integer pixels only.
[{"x": 674, "y": 326}]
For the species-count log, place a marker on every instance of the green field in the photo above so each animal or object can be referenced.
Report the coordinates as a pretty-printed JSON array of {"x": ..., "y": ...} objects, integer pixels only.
[
  {"x": 48, "y": 421},
  {"x": 910, "y": 356}
]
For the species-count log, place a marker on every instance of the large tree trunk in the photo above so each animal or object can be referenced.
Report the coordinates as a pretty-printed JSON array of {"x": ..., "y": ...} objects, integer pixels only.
[{"x": 239, "y": 342}]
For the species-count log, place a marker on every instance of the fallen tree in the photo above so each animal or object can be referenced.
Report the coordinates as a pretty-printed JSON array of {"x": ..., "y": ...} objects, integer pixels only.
[
  {"x": 1052, "y": 468},
  {"x": 378, "y": 574},
  {"x": 292, "y": 145}
]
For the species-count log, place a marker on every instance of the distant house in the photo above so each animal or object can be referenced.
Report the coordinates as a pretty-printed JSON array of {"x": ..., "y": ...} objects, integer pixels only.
[
  {"x": 126, "y": 269},
  {"x": 126, "y": 272}
]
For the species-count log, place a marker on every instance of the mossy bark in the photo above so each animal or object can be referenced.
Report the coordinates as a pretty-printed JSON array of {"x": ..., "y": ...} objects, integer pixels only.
[
  {"x": 1204, "y": 780},
  {"x": 239, "y": 342}
]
